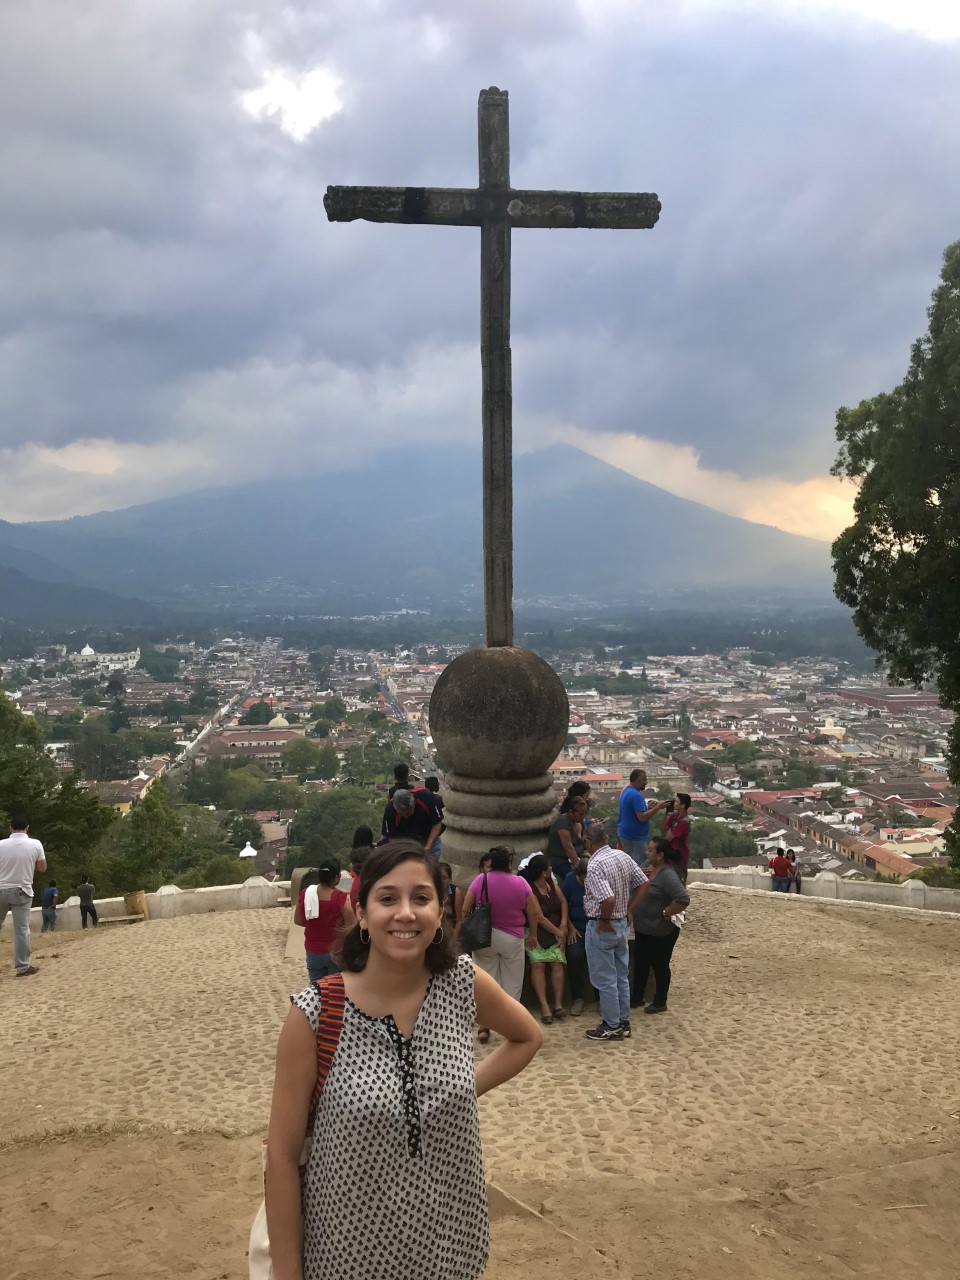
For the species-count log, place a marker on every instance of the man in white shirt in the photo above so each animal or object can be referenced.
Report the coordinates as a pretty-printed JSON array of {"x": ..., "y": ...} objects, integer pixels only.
[
  {"x": 20, "y": 858},
  {"x": 611, "y": 890}
]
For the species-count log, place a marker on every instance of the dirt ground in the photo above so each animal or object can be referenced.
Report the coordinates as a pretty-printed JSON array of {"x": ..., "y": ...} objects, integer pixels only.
[{"x": 796, "y": 1113}]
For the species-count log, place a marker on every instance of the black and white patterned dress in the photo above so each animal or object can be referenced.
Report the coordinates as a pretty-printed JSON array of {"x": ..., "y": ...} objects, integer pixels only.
[{"x": 394, "y": 1189}]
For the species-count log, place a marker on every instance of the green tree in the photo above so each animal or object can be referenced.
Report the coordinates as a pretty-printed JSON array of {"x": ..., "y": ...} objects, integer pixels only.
[
  {"x": 327, "y": 820},
  {"x": 114, "y": 687},
  {"x": 328, "y": 764},
  {"x": 260, "y": 713},
  {"x": 684, "y": 724},
  {"x": 171, "y": 708},
  {"x": 202, "y": 696},
  {"x": 162, "y": 665},
  {"x": 301, "y": 757},
  {"x": 224, "y": 868},
  {"x": 709, "y": 839},
  {"x": 92, "y": 749},
  {"x": 246, "y": 789},
  {"x": 898, "y": 565},
  {"x": 703, "y": 775},
  {"x": 743, "y": 753},
  {"x": 244, "y": 829},
  {"x": 153, "y": 839},
  {"x": 118, "y": 717}
]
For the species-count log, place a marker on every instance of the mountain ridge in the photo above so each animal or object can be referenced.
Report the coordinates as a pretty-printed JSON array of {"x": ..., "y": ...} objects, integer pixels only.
[{"x": 407, "y": 527}]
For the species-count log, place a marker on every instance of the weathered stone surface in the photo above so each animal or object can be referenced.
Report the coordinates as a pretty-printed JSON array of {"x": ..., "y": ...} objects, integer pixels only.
[
  {"x": 499, "y": 786},
  {"x": 525, "y": 804},
  {"x": 472, "y": 207},
  {"x": 499, "y": 713}
]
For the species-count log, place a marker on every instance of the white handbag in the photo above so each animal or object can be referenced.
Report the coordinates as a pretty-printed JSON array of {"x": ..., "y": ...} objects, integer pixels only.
[{"x": 259, "y": 1258}]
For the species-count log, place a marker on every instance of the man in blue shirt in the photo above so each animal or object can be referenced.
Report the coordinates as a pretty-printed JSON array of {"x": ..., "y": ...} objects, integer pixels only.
[
  {"x": 633, "y": 821},
  {"x": 48, "y": 907}
]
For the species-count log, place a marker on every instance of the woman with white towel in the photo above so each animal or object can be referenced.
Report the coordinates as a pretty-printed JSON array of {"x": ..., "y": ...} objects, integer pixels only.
[{"x": 325, "y": 912}]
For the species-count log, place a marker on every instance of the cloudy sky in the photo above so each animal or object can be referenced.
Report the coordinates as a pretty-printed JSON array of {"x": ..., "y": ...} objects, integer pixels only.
[{"x": 176, "y": 312}]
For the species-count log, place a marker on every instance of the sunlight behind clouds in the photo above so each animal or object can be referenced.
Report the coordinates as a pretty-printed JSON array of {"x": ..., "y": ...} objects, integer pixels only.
[{"x": 297, "y": 103}]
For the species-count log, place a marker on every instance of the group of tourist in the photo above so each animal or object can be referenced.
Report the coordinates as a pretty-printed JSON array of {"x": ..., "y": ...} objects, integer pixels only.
[
  {"x": 21, "y": 857},
  {"x": 563, "y": 914}
]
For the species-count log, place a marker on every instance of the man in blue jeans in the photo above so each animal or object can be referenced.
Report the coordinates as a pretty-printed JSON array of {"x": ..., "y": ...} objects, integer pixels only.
[
  {"x": 20, "y": 858},
  {"x": 611, "y": 889},
  {"x": 633, "y": 818}
]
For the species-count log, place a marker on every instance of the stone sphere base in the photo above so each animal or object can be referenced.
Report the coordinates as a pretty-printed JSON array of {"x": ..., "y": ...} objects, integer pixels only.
[{"x": 499, "y": 719}]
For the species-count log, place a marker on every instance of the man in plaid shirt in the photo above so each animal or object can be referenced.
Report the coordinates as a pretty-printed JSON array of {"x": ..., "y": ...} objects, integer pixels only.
[{"x": 612, "y": 885}]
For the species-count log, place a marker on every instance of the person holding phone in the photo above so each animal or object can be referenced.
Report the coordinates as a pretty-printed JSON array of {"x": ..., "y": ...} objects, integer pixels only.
[
  {"x": 633, "y": 817},
  {"x": 675, "y": 827}
]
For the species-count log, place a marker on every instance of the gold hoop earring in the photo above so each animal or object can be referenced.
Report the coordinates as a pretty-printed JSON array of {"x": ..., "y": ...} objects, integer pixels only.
[{"x": 364, "y": 941}]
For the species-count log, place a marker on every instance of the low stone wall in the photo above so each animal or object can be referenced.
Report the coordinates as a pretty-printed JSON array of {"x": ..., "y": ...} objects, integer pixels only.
[
  {"x": 827, "y": 884},
  {"x": 169, "y": 901}
]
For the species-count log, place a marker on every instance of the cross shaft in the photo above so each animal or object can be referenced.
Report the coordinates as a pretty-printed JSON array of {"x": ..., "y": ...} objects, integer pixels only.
[{"x": 496, "y": 208}]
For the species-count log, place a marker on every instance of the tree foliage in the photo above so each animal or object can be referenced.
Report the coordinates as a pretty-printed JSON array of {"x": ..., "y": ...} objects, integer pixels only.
[
  {"x": 327, "y": 820},
  {"x": 69, "y": 819},
  {"x": 240, "y": 785},
  {"x": 162, "y": 664},
  {"x": 243, "y": 829},
  {"x": 703, "y": 775},
  {"x": 260, "y": 713},
  {"x": 709, "y": 839},
  {"x": 898, "y": 565}
]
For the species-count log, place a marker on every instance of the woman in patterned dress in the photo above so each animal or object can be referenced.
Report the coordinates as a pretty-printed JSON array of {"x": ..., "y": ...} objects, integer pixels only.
[{"x": 394, "y": 1184}]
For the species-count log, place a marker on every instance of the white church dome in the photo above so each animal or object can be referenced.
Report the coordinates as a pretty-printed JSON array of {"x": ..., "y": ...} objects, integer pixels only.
[{"x": 279, "y": 722}]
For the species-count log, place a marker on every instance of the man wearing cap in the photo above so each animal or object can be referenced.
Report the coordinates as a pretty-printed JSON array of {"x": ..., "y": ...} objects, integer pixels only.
[{"x": 20, "y": 858}]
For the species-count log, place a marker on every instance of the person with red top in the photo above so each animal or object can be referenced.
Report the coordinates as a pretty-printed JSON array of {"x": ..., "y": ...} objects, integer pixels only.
[
  {"x": 780, "y": 866},
  {"x": 323, "y": 910},
  {"x": 675, "y": 825}
]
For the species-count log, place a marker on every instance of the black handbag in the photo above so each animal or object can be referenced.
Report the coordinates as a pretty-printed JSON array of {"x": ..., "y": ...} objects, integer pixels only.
[
  {"x": 476, "y": 931},
  {"x": 546, "y": 939}
]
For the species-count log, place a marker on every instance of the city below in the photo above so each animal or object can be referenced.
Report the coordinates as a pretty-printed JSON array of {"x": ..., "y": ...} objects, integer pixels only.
[{"x": 802, "y": 754}]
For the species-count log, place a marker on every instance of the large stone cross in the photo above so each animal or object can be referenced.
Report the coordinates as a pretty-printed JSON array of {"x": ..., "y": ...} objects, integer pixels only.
[{"x": 496, "y": 208}]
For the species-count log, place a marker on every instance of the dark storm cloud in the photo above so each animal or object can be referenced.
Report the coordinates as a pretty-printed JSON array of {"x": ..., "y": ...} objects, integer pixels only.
[{"x": 170, "y": 278}]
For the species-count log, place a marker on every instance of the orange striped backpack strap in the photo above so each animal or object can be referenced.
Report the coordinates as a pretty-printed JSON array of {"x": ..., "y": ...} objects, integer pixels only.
[{"x": 332, "y": 995}]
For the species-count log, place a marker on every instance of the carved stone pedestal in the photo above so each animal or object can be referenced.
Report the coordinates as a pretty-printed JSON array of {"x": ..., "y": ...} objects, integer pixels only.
[{"x": 499, "y": 719}]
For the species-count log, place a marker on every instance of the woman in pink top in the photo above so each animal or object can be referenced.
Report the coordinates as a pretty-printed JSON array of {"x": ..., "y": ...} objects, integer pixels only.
[{"x": 513, "y": 908}]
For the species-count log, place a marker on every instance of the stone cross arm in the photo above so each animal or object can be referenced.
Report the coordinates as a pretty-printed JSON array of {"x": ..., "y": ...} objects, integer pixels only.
[{"x": 462, "y": 207}]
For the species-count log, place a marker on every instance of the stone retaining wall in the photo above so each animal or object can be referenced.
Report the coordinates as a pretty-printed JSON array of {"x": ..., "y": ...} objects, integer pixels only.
[
  {"x": 827, "y": 884},
  {"x": 169, "y": 901}
]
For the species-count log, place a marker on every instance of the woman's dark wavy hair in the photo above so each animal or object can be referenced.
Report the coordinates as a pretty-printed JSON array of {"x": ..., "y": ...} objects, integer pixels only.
[
  {"x": 575, "y": 791},
  {"x": 671, "y": 856},
  {"x": 501, "y": 856},
  {"x": 440, "y": 955},
  {"x": 535, "y": 867}
]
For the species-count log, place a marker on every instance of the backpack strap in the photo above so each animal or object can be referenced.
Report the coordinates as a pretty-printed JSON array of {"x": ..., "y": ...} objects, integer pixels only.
[{"x": 329, "y": 1025}]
